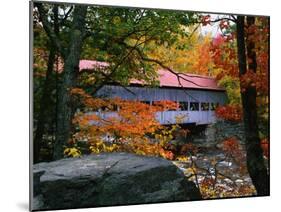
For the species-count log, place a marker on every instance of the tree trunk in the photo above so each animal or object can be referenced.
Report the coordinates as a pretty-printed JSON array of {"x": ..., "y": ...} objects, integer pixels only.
[
  {"x": 255, "y": 162},
  {"x": 44, "y": 102},
  {"x": 71, "y": 68},
  {"x": 46, "y": 96}
]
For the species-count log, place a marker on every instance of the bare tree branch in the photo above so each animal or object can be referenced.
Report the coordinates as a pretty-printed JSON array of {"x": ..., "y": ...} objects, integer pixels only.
[
  {"x": 178, "y": 75},
  {"x": 47, "y": 27},
  {"x": 66, "y": 15},
  {"x": 232, "y": 19}
]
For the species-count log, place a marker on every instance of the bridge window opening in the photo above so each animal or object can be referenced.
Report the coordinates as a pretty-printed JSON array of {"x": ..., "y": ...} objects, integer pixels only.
[
  {"x": 114, "y": 107},
  {"x": 154, "y": 103},
  {"x": 204, "y": 106},
  {"x": 104, "y": 108},
  {"x": 183, "y": 105},
  {"x": 214, "y": 106},
  {"x": 146, "y": 102},
  {"x": 194, "y": 106}
]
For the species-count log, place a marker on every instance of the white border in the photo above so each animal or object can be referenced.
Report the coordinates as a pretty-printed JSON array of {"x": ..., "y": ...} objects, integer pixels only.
[{"x": 14, "y": 82}]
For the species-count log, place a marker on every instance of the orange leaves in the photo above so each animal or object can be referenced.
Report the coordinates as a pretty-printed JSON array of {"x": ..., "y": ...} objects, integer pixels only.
[
  {"x": 258, "y": 80},
  {"x": 258, "y": 36},
  {"x": 86, "y": 99},
  {"x": 231, "y": 145},
  {"x": 165, "y": 105},
  {"x": 203, "y": 62},
  {"x": 142, "y": 146},
  {"x": 229, "y": 112},
  {"x": 188, "y": 55},
  {"x": 233, "y": 148},
  {"x": 83, "y": 120},
  {"x": 135, "y": 118},
  {"x": 188, "y": 149},
  {"x": 248, "y": 80},
  {"x": 224, "y": 56},
  {"x": 265, "y": 147},
  {"x": 123, "y": 121}
]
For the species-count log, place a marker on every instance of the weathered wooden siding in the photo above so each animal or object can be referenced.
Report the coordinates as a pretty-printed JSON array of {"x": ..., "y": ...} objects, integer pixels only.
[
  {"x": 198, "y": 117},
  {"x": 173, "y": 94}
]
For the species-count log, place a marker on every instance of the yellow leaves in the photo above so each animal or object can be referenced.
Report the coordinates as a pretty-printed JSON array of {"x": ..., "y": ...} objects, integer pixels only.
[
  {"x": 182, "y": 158},
  {"x": 140, "y": 152},
  {"x": 116, "y": 20},
  {"x": 164, "y": 135},
  {"x": 72, "y": 152},
  {"x": 99, "y": 146},
  {"x": 188, "y": 55},
  {"x": 167, "y": 154},
  {"x": 189, "y": 171}
]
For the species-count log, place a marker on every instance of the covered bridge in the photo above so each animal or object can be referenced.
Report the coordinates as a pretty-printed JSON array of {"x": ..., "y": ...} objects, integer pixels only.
[{"x": 197, "y": 96}]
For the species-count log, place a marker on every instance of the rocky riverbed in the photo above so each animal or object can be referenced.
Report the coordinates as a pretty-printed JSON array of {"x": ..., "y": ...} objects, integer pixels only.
[{"x": 216, "y": 174}]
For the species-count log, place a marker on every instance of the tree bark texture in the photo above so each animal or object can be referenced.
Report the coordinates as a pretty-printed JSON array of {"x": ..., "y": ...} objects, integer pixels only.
[
  {"x": 71, "y": 68},
  {"x": 44, "y": 103},
  {"x": 255, "y": 162},
  {"x": 45, "y": 100}
]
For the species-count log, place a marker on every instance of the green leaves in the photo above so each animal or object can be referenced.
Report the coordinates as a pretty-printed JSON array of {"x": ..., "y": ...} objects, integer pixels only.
[{"x": 120, "y": 35}]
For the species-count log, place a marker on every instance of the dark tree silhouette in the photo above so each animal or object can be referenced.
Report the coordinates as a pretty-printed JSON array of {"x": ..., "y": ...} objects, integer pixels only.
[{"x": 255, "y": 162}]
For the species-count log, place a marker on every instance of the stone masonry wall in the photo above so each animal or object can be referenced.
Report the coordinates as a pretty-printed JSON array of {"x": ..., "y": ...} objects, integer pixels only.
[{"x": 212, "y": 135}]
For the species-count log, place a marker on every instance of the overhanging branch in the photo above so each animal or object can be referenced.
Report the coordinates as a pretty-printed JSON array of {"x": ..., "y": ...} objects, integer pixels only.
[{"x": 178, "y": 75}]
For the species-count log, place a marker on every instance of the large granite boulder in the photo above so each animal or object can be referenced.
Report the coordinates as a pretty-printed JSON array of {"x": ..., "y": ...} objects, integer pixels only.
[{"x": 109, "y": 179}]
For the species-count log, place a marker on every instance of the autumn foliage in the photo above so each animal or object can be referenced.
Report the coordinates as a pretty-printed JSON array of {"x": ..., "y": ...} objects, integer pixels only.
[
  {"x": 224, "y": 54},
  {"x": 109, "y": 125},
  {"x": 229, "y": 112},
  {"x": 232, "y": 147},
  {"x": 265, "y": 147},
  {"x": 234, "y": 150}
]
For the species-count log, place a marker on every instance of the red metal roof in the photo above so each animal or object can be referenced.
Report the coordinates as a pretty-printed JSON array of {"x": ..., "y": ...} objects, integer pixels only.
[
  {"x": 91, "y": 64},
  {"x": 183, "y": 80},
  {"x": 166, "y": 78}
]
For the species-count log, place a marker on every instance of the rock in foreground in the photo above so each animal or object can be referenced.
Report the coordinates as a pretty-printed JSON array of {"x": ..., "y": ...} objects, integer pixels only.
[{"x": 110, "y": 179}]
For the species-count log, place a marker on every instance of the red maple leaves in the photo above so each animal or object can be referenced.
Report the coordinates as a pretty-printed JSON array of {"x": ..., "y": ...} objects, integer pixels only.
[{"x": 229, "y": 112}]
